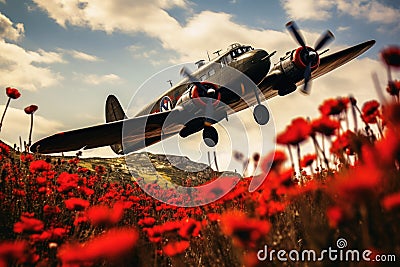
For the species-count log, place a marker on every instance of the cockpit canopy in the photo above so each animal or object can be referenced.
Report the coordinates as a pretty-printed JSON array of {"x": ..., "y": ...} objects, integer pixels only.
[{"x": 236, "y": 49}]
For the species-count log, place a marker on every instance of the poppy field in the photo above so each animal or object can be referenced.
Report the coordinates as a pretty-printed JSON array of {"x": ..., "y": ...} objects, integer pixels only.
[{"x": 56, "y": 212}]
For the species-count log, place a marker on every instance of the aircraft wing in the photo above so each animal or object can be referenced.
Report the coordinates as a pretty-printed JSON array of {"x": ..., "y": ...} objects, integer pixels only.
[
  {"x": 338, "y": 59},
  {"x": 139, "y": 132}
]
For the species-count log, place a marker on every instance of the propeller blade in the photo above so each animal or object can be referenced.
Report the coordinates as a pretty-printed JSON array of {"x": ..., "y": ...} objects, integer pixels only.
[
  {"x": 209, "y": 112},
  {"x": 307, "y": 78},
  {"x": 326, "y": 38},
  {"x": 294, "y": 30},
  {"x": 185, "y": 72}
]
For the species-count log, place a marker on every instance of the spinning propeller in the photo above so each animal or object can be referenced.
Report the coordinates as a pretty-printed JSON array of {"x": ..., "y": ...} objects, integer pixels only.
[
  {"x": 306, "y": 56},
  {"x": 210, "y": 135}
]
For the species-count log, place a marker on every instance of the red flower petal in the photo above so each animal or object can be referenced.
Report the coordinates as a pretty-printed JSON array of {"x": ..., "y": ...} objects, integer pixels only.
[
  {"x": 12, "y": 93},
  {"x": 175, "y": 248},
  {"x": 30, "y": 109}
]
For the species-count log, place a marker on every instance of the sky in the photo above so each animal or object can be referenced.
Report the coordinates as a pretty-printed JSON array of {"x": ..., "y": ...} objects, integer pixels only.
[{"x": 66, "y": 56}]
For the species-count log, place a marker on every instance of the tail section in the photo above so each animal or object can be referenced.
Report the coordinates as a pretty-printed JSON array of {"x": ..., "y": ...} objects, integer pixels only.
[{"x": 114, "y": 112}]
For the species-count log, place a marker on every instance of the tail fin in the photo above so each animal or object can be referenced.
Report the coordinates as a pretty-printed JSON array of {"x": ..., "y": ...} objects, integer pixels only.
[{"x": 114, "y": 112}]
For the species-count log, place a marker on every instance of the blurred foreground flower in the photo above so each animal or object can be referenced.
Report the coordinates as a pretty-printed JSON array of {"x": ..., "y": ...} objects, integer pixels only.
[
  {"x": 28, "y": 225},
  {"x": 104, "y": 216},
  {"x": 175, "y": 248},
  {"x": 111, "y": 245},
  {"x": 12, "y": 93},
  {"x": 391, "y": 56},
  {"x": 244, "y": 231},
  {"x": 370, "y": 111}
]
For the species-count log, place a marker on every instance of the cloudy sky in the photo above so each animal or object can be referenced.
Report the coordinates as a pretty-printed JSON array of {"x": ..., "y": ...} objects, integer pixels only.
[{"x": 66, "y": 56}]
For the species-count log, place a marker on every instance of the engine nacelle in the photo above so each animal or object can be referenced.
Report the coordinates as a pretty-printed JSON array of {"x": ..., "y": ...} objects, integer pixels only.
[
  {"x": 198, "y": 94},
  {"x": 293, "y": 66}
]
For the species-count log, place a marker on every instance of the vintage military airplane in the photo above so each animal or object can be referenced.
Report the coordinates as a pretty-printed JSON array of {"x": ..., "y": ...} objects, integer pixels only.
[{"x": 198, "y": 101}]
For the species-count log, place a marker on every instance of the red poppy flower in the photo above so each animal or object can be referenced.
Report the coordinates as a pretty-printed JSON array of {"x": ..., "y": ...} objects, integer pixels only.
[
  {"x": 388, "y": 148},
  {"x": 111, "y": 245},
  {"x": 393, "y": 87},
  {"x": 344, "y": 143},
  {"x": 30, "y": 109},
  {"x": 76, "y": 204},
  {"x": 334, "y": 106},
  {"x": 10, "y": 251},
  {"x": 50, "y": 210},
  {"x": 4, "y": 149},
  {"x": 370, "y": 111},
  {"x": 67, "y": 181},
  {"x": 39, "y": 166},
  {"x": 26, "y": 157},
  {"x": 244, "y": 231},
  {"x": 175, "y": 248},
  {"x": 283, "y": 180},
  {"x": 214, "y": 217},
  {"x": 325, "y": 126},
  {"x": 190, "y": 227},
  {"x": 270, "y": 208},
  {"x": 391, "y": 56},
  {"x": 358, "y": 183},
  {"x": 273, "y": 161},
  {"x": 391, "y": 201},
  {"x": 147, "y": 221},
  {"x": 12, "y": 93},
  {"x": 295, "y": 133},
  {"x": 103, "y": 215},
  {"x": 307, "y": 160},
  {"x": 41, "y": 180},
  {"x": 28, "y": 225},
  {"x": 19, "y": 192},
  {"x": 52, "y": 235}
]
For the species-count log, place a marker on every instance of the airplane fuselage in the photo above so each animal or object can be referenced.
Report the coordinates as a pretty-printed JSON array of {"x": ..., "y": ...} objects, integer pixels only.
[{"x": 254, "y": 63}]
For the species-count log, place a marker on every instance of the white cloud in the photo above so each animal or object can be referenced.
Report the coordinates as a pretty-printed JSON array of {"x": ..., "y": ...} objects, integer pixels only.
[
  {"x": 16, "y": 123},
  {"x": 95, "y": 79},
  {"x": 10, "y": 31},
  {"x": 372, "y": 10},
  {"x": 83, "y": 56},
  {"x": 308, "y": 9},
  {"x": 190, "y": 41},
  {"x": 17, "y": 67},
  {"x": 125, "y": 15},
  {"x": 342, "y": 28}
]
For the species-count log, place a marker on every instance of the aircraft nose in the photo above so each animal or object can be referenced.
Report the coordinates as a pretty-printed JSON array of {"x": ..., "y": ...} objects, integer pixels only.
[{"x": 257, "y": 55}]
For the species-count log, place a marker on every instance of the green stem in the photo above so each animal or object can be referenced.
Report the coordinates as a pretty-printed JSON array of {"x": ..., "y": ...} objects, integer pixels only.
[
  {"x": 4, "y": 113},
  {"x": 353, "y": 110},
  {"x": 291, "y": 156},
  {"x": 30, "y": 133}
]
